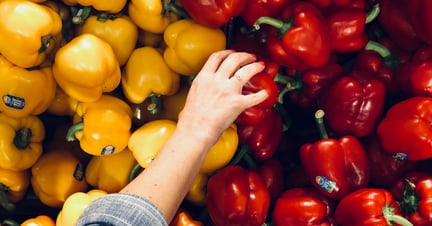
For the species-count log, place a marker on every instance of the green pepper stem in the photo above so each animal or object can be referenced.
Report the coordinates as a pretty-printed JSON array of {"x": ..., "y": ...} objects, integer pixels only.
[
  {"x": 168, "y": 7},
  {"x": 391, "y": 217},
  {"x": 282, "y": 26},
  {"x": 154, "y": 105},
  {"x": 9, "y": 223},
  {"x": 134, "y": 172},
  {"x": 389, "y": 59},
  {"x": 244, "y": 148},
  {"x": 319, "y": 119},
  {"x": 8, "y": 206},
  {"x": 70, "y": 135},
  {"x": 22, "y": 138},
  {"x": 373, "y": 13},
  {"x": 80, "y": 14},
  {"x": 285, "y": 118}
]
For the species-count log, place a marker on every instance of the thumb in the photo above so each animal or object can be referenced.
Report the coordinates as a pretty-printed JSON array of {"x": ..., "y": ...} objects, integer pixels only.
[{"x": 256, "y": 98}]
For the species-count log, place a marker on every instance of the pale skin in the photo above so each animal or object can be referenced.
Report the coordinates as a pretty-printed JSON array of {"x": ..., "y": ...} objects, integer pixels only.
[{"x": 213, "y": 103}]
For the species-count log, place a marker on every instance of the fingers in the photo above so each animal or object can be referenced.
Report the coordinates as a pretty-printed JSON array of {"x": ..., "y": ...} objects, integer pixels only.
[
  {"x": 234, "y": 62},
  {"x": 255, "y": 98},
  {"x": 215, "y": 60},
  {"x": 245, "y": 73}
]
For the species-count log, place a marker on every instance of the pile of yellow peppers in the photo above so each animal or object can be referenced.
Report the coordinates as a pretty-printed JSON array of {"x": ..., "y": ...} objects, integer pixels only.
[{"x": 90, "y": 92}]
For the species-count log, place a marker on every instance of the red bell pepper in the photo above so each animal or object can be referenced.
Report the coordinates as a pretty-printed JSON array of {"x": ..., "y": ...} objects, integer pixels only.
[
  {"x": 347, "y": 28},
  {"x": 398, "y": 188},
  {"x": 335, "y": 167},
  {"x": 272, "y": 173},
  {"x": 394, "y": 20},
  {"x": 327, "y": 3},
  {"x": 264, "y": 137},
  {"x": 303, "y": 206},
  {"x": 421, "y": 18},
  {"x": 405, "y": 131},
  {"x": 258, "y": 8},
  {"x": 236, "y": 196},
  {"x": 214, "y": 13},
  {"x": 302, "y": 34},
  {"x": 353, "y": 105},
  {"x": 369, "y": 206},
  {"x": 387, "y": 169},
  {"x": 416, "y": 203},
  {"x": 415, "y": 76},
  {"x": 305, "y": 88}
]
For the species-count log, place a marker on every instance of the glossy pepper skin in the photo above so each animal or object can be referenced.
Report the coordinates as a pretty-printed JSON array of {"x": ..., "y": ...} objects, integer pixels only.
[
  {"x": 415, "y": 76},
  {"x": 187, "y": 45},
  {"x": 256, "y": 8},
  {"x": 404, "y": 131},
  {"x": 86, "y": 67},
  {"x": 303, "y": 206},
  {"x": 303, "y": 35},
  {"x": 418, "y": 13},
  {"x": 103, "y": 126},
  {"x": 183, "y": 218},
  {"x": 236, "y": 196},
  {"x": 62, "y": 104},
  {"x": 327, "y": 3},
  {"x": 272, "y": 174},
  {"x": 75, "y": 204},
  {"x": 416, "y": 201},
  {"x": 21, "y": 141},
  {"x": 358, "y": 111},
  {"x": 110, "y": 173},
  {"x": 25, "y": 92},
  {"x": 197, "y": 192},
  {"x": 336, "y": 167},
  {"x": 264, "y": 137},
  {"x": 27, "y": 22},
  {"x": 147, "y": 73},
  {"x": 214, "y": 13},
  {"x": 55, "y": 176},
  {"x": 118, "y": 30},
  {"x": 395, "y": 21},
  {"x": 110, "y": 6},
  {"x": 369, "y": 206},
  {"x": 13, "y": 187},
  {"x": 150, "y": 15},
  {"x": 41, "y": 220}
]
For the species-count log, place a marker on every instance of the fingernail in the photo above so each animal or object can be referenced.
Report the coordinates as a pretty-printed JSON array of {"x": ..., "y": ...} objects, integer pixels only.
[{"x": 261, "y": 62}]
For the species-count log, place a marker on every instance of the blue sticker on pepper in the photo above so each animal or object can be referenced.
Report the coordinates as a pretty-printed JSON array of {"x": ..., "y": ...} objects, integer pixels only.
[
  {"x": 13, "y": 101},
  {"x": 108, "y": 150},
  {"x": 400, "y": 156},
  {"x": 326, "y": 184}
]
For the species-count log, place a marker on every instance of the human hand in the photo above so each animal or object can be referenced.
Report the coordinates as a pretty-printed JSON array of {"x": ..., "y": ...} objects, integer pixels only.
[{"x": 215, "y": 97}]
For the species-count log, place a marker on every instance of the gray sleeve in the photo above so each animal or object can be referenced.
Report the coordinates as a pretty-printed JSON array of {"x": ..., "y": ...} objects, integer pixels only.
[{"x": 121, "y": 210}]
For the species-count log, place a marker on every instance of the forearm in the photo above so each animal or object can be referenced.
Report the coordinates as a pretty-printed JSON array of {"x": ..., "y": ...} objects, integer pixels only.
[{"x": 168, "y": 178}]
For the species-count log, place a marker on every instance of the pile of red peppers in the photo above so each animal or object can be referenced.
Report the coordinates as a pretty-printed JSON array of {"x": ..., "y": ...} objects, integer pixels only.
[{"x": 345, "y": 135}]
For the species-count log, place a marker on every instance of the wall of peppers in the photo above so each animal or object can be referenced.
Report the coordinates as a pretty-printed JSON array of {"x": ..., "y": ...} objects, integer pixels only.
[{"x": 343, "y": 138}]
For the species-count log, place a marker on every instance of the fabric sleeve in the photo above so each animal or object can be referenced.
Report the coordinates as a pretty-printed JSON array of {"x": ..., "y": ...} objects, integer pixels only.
[{"x": 120, "y": 210}]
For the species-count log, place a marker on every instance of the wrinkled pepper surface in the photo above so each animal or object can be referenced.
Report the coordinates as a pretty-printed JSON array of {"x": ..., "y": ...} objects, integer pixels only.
[
  {"x": 405, "y": 129},
  {"x": 336, "y": 167},
  {"x": 213, "y": 13},
  {"x": 118, "y": 30},
  {"x": 110, "y": 172},
  {"x": 236, "y": 196},
  {"x": 13, "y": 187},
  {"x": 147, "y": 73},
  {"x": 27, "y": 29},
  {"x": 256, "y": 8},
  {"x": 20, "y": 142},
  {"x": 111, "y": 6},
  {"x": 62, "y": 104},
  {"x": 25, "y": 92},
  {"x": 302, "y": 33},
  {"x": 150, "y": 15},
  {"x": 420, "y": 18},
  {"x": 188, "y": 45},
  {"x": 86, "y": 67},
  {"x": 75, "y": 204},
  {"x": 57, "y": 175},
  {"x": 104, "y": 126}
]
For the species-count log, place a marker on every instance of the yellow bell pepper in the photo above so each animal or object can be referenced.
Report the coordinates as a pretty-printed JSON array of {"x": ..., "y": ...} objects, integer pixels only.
[
  {"x": 27, "y": 30},
  {"x": 20, "y": 141},
  {"x": 183, "y": 218},
  {"x": 55, "y": 176},
  {"x": 146, "y": 141},
  {"x": 105, "y": 126},
  {"x": 111, "y": 6},
  {"x": 75, "y": 205},
  {"x": 222, "y": 152},
  {"x": 173, "y": 105},
  {"x": 13, "y": 187},
  {"x": 146, "y": 38},
  {"x": 25, "y": 92},
  {"x": 189, "y": 44},
  {"x": 62, "y": 104},
  {"x": 118, "y": 30},
  {"x": 151, "y": 15},
  {"x": 86, "y": 67},
  {"x": 197, "y": 192},
  {"x": 147, "y": 73},
  {"x": 41, "y": 220},
  {"x": 110, "y": 172}
]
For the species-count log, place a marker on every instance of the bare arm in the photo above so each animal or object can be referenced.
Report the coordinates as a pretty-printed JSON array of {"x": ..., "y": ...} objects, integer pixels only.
[{"x": 213, "y": 103}]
